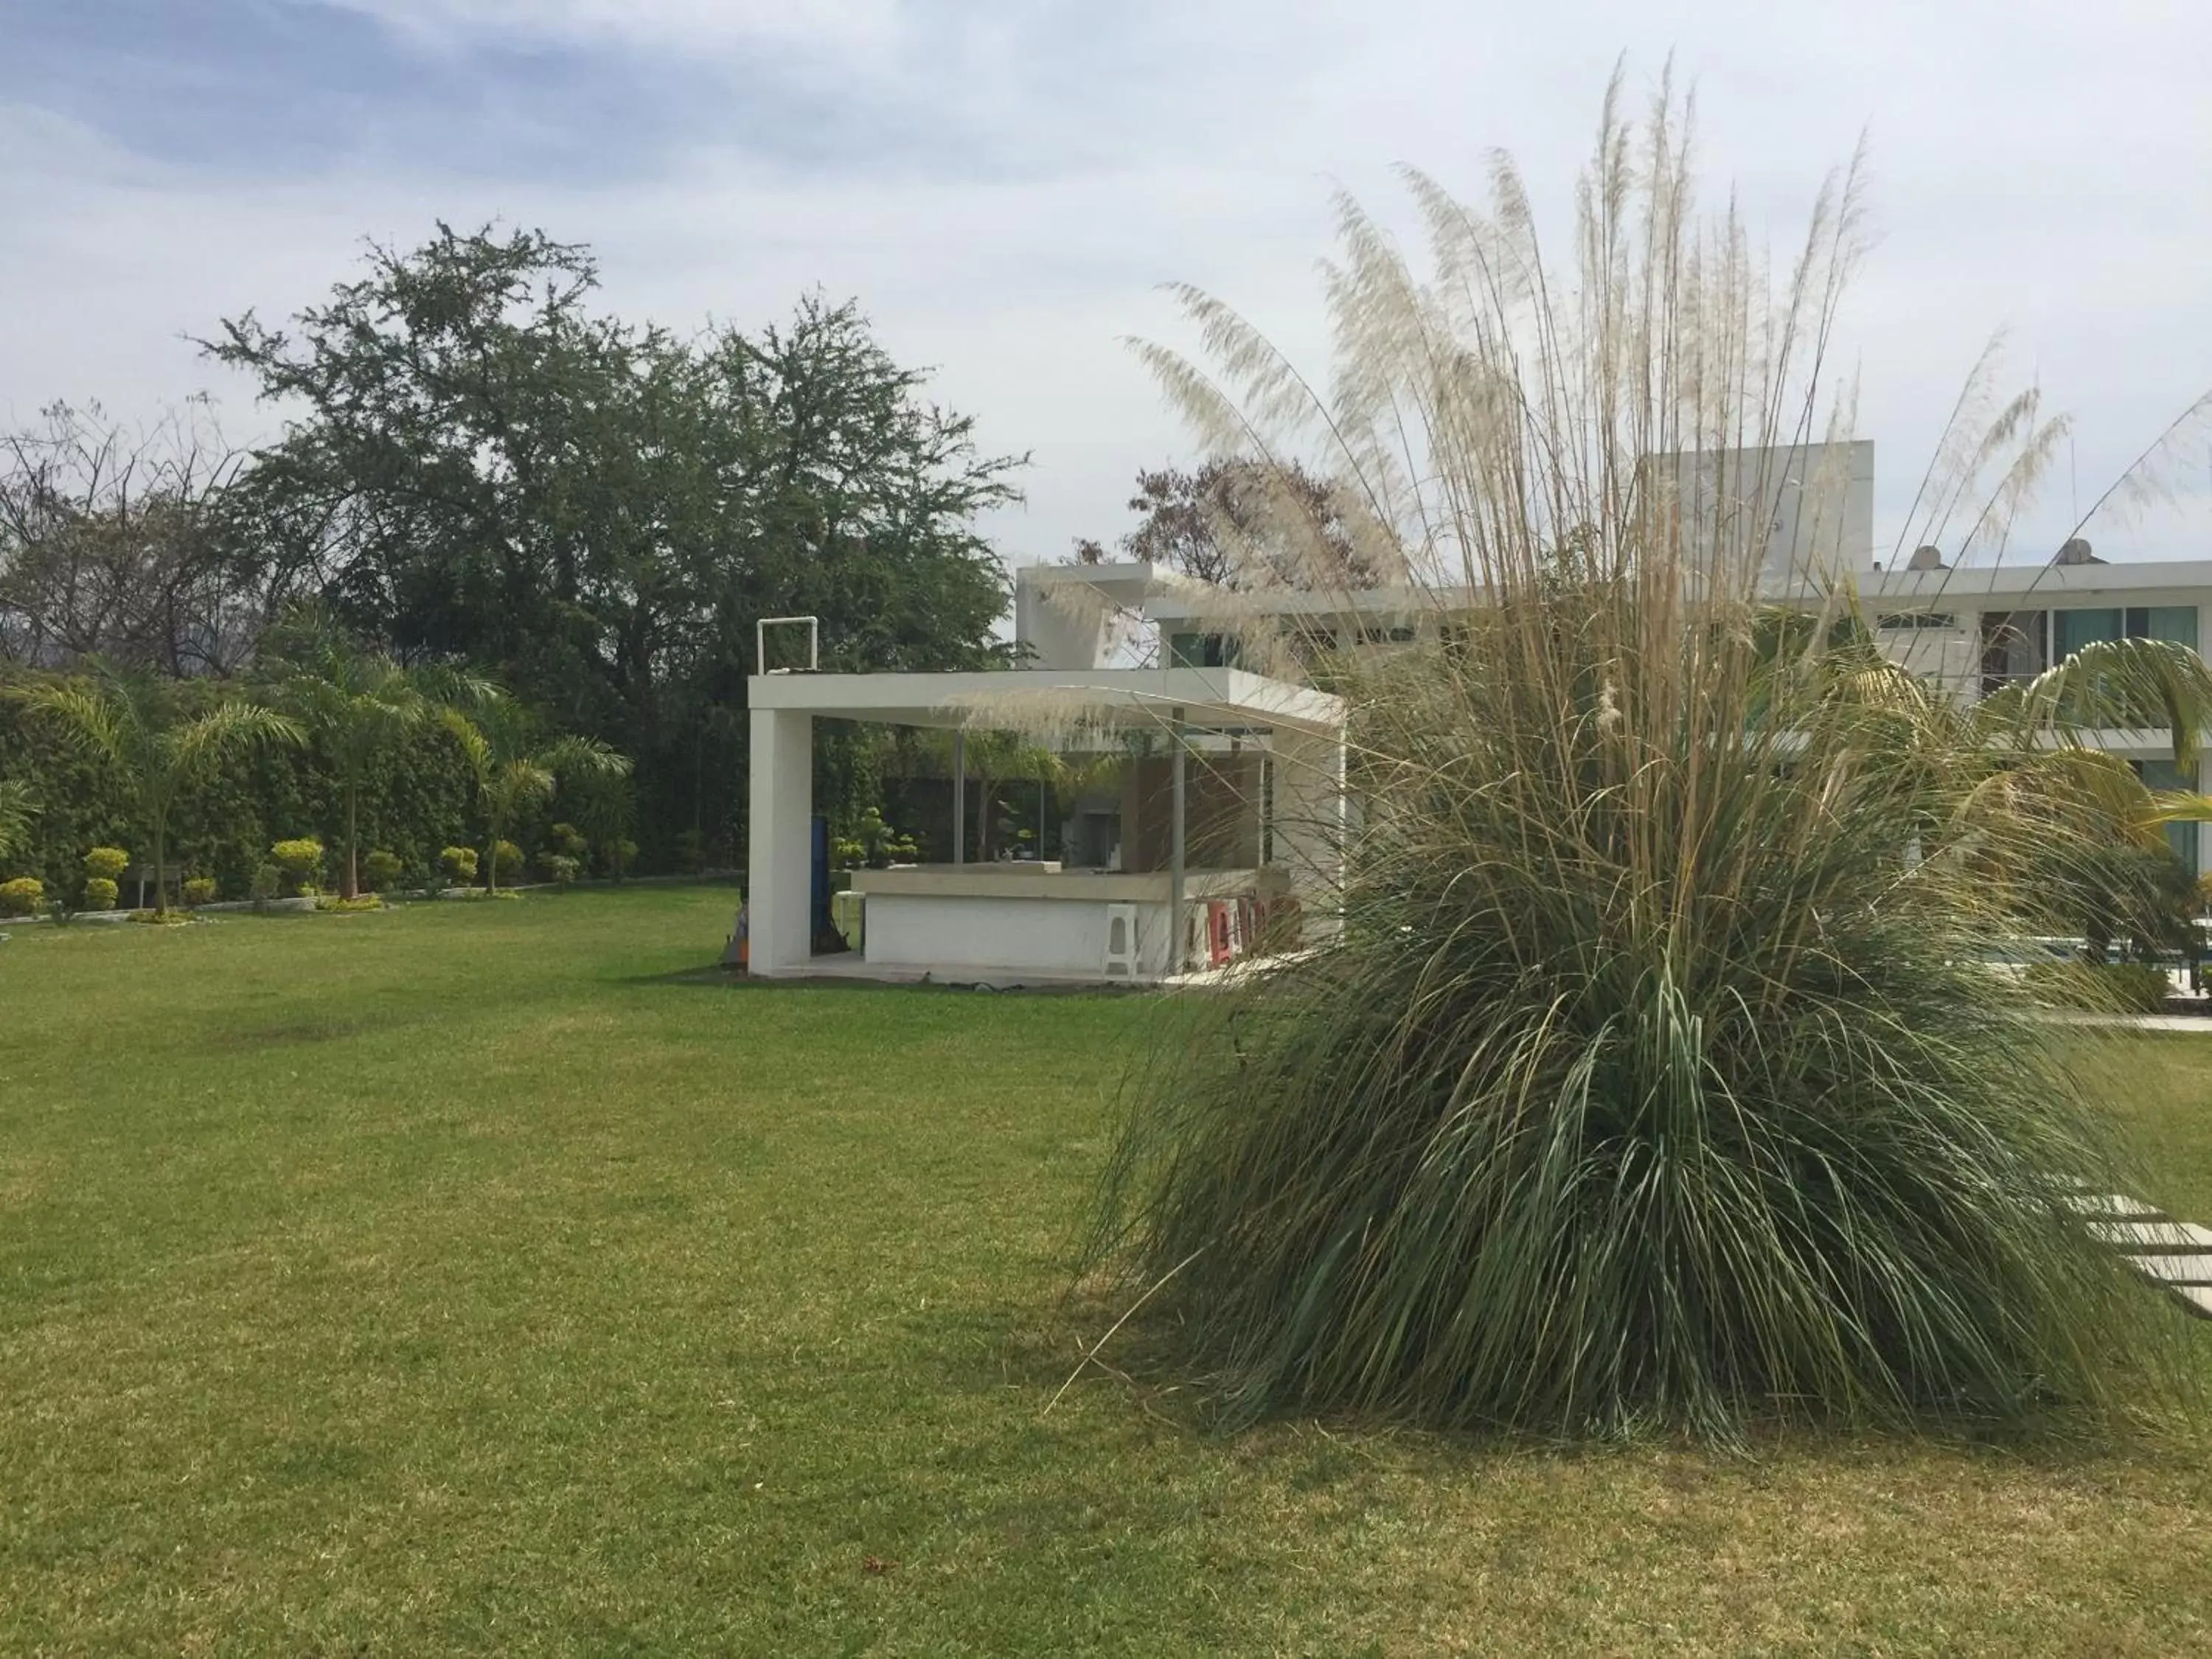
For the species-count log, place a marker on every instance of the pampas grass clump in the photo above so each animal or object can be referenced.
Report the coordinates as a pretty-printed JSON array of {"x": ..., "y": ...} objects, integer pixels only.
[{"x": 1659, "y": 1079}]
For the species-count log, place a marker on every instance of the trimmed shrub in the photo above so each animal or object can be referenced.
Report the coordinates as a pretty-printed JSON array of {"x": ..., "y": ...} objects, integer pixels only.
[
  {"x": 620, "y": 854},
  {"x": 25, "y": 896},
  {"x": 268, "y": 883},
  {"x": 302, "y": 862},
  {"x": 567, "y": 841},
  {"x": 99, "y": 893},
  {"x": 106, "y": 863},
  {"x": 379, "y": 870},
  {"x": 198, "y": 891},
  {"x": 558, "y": 868},
  {"x": 507, "y": 862},
  {"x": 460, "y": 864}
]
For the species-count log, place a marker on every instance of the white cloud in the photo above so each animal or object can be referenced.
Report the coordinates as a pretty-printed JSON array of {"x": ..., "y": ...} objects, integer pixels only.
[
  {"x": 830, "y": 24},
  {"x": 2039, "y": 168}
]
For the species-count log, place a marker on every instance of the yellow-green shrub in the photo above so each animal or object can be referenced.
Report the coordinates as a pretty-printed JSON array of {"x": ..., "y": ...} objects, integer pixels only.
[
  {"x": 460, "y": 864},
  {"x": 381, "y": 870},
  {"x": 506, "y": 860},
  {"x": 99, "y": 893},
  {"x": 106, "y": 863},
  {"x": 25, "y": 896},
  {"x": 300, "y": 860},
  {"x": 200, "y": 890}
]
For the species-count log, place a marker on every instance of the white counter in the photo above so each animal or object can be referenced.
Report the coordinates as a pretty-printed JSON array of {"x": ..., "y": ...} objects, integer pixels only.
[{"x": 1032, "y": 918}]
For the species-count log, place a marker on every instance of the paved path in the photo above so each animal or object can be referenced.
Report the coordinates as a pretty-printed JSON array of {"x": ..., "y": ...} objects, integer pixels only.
[{"x": 2174, "y": 1255}]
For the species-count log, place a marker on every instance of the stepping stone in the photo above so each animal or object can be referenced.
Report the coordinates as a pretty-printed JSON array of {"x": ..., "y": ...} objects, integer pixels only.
[
  {"x": 2112, "y": 1206},
  {"x": 2149, "y": 1236},
  {"x": 2175, "y": 1269},
  {"x": 2197, "y": 1298}
]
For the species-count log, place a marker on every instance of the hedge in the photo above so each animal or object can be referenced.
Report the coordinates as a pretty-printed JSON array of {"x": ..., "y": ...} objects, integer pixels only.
[{"x": 418, "y": 797}]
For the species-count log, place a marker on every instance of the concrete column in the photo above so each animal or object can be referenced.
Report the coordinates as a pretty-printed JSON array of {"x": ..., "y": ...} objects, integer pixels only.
[
  {"x": 779, "y": 866},
  {"x": 1178, "y": 934},
  {"x": 959, "y": 795},
  {"x": 1312, "y": 822}
]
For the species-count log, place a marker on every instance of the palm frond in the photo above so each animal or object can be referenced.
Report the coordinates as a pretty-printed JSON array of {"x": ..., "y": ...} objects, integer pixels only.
[
  {"x": 225, "y": 730},
  {"x": 87, "y": 716}
]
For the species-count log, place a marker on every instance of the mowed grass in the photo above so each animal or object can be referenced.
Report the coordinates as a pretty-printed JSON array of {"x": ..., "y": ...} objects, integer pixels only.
[{"x": 467, "y": 1278}]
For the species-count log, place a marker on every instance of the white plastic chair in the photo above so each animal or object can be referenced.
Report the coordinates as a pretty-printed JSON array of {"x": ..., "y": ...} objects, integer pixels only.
[{"x": 1120, "y": 942}]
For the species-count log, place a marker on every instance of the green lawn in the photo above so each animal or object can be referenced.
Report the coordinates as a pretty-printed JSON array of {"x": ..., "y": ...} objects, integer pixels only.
[{"x": 467, "y": 1280}]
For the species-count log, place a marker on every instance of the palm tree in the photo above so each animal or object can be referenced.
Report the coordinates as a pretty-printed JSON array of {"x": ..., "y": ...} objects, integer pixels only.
[
  {"x": 145, "y": 729},
  {"x": 515, "y": 767},
  {"x": 354, "y": 704}
]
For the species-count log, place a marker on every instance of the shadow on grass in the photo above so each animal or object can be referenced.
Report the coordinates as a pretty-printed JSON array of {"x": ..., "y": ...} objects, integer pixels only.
[{"x": 715, "y": 977}]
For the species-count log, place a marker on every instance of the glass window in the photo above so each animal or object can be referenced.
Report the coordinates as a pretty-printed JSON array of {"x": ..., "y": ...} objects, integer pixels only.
[
  {"x": 2165, "y": 775},
  {"x": 1201, "y": 650},
  {"x": 2072, "y": 630},
  {"x": 2177, "y": 622}
]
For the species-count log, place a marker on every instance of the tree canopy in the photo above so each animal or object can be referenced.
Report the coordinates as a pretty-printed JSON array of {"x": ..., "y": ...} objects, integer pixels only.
[{"x": 478, "y": 466}]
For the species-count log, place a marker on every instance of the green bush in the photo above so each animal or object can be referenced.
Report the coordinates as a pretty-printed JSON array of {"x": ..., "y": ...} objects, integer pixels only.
[
  {"x": 198, "y": 891},
  {"x": 348, "y": 907},
  {"x": 620, "y": 854},
  {"x": 567, "y": 841},
  {"x": 99, "y": 893},
  {"x": 25, "y": 896},
  {"x": 268, "y": 883},
  {"x": 106, "y": 863},
  {"x": 420, "y": 791},
  {"x": 2119, "y": 987},
  {"x": 558, "y": 868},
  {"x": 507, "y": 862},
  {"x": 381, "y": 870},
  {"x": 460, "y": 865},
  {"x": 300, "y": 860}
]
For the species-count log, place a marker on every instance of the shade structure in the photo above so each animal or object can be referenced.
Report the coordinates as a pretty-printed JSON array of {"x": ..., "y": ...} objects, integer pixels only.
[{"x": 1303, "y": 727}]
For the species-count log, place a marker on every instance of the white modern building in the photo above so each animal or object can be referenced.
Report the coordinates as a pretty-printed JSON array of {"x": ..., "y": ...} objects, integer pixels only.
[
  {"x": 1970, "y": 629},
  {"x": 1225, "y": 836}
]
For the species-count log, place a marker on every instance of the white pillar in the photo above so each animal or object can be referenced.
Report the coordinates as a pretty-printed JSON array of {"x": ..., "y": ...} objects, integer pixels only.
[
  {"x": 1311, "y": 823},
  {"x": 959, "y": 795},
  {"x": 1178, "y": 936},
  {"x": 780, "y": 863}
]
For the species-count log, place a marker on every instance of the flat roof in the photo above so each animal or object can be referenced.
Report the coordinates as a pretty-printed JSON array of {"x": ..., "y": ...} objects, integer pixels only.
[
  {"x": 1223, "y": 698},
  {"x": 2032, "y": 583}
]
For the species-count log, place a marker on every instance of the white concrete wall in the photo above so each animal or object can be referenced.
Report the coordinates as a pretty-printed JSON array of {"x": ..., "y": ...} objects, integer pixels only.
[
  {"x": 1063, "y": 629},
  {"x": 1310, "y": 822},
  {"x": 1950, "y": 656},
  {"x": 1065, "y": 938},
  {"x": 779, "y": 873}
]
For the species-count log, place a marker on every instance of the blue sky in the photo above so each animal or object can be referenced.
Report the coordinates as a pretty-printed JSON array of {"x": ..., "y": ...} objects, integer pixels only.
[{"x": 1004, "y": 186}]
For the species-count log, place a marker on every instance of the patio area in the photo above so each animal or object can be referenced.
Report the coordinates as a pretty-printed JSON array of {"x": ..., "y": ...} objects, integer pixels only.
[{"x": 1224, "y": 842}]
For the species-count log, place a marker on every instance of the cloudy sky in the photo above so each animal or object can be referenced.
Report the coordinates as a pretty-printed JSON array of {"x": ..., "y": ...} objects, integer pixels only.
[{"x": 1003, "y": 184}]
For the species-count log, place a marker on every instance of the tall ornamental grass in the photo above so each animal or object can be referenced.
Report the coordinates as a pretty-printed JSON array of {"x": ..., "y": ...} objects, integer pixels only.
[{"x": 1660, "y": 1078}]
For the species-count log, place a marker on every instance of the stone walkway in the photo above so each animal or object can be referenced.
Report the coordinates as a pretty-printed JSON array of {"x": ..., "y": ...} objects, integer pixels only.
[{"x": 2174, "y": 1255}]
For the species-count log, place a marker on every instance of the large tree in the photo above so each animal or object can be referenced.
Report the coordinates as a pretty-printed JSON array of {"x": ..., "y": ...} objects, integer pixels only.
[
  {"x": 482, "y": 466},
  {"x": 1242, "y": 523}
]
